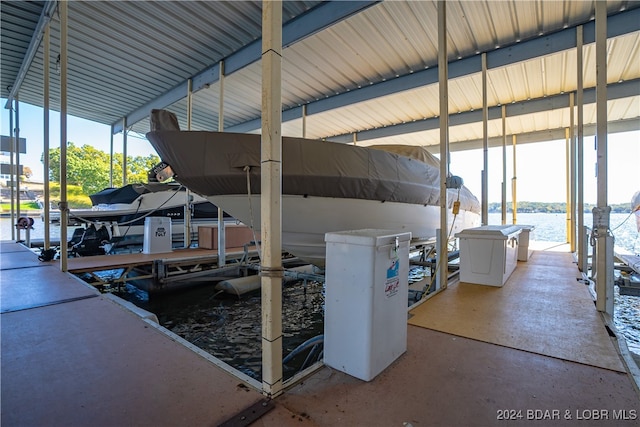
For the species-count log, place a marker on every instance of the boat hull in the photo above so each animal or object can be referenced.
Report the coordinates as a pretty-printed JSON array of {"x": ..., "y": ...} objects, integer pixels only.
[
  {"x": 306, "y": 239},
  {"x": 118, "y": 216},
  {"x": 325, "y": 187}
]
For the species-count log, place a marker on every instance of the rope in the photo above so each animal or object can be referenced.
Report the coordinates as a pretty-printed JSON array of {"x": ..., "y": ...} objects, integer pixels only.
[{"x": 622, "y": 223}]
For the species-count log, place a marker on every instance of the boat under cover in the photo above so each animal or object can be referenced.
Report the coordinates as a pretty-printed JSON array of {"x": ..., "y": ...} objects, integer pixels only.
[
  {"x": 326, "y": 186},
  {"x": 118, "y": 215}
]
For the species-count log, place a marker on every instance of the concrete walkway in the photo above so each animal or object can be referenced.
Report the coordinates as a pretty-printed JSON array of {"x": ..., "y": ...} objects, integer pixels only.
[{"x": 73, "y": 357}]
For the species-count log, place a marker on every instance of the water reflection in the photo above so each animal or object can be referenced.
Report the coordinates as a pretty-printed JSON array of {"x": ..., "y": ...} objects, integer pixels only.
[{"x": 229, "y": 327}]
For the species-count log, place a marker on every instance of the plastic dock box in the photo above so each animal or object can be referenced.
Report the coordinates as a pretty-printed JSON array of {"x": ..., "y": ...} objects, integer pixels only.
[
  {"x": 157, "y": 235},
  {"x": 365, "y": 324},
  {"x": 523, "y": 241},
  {"x": 488, "y": 254}
]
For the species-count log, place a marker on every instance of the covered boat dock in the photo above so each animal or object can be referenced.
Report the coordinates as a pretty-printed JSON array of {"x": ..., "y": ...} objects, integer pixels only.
[
  {"x": 532, "y": 350},
  {"x": 71, "y": 356}
]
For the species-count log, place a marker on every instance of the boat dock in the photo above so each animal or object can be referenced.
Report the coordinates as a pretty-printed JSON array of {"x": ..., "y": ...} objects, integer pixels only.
[
  {"x": 535, "y": 349},
  {"x": 630, "y": 277},
  {"x": 160, "y": 272}
]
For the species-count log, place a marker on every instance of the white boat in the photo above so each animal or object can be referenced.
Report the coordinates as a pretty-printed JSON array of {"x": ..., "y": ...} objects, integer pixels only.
[
  {"x": 326, "y": 186},
  {"x": 118, "y": 215}
]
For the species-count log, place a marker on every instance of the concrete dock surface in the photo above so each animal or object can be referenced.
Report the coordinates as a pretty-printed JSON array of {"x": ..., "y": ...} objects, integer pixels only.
[{"x": 73, "y": 357}]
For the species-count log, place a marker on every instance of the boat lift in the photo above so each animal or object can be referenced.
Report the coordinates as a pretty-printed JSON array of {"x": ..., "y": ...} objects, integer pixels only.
[{"x": 164, "y": 271}]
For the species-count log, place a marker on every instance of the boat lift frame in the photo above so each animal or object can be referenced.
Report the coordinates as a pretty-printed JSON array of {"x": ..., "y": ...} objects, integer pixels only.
[{"x": 162, "y": 273}]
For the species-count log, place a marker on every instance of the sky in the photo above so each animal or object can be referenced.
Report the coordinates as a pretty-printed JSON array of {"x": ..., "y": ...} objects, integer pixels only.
[{"x": 540, "y": 167}]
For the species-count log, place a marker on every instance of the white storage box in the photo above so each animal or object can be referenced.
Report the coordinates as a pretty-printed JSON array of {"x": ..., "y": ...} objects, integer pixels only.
[
  {"x": 365, "y": 324},
  {"x": 157, "y": 235},
  {"x": 526, "y": 235},
  {"x": 488, "y": 254}
]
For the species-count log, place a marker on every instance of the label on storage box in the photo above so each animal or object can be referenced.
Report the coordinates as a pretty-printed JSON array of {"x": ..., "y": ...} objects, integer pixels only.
[{"x": 392, "y": 284}]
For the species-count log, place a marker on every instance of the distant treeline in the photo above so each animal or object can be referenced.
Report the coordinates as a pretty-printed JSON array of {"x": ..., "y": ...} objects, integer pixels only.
[{"x": 545, "y": 207}]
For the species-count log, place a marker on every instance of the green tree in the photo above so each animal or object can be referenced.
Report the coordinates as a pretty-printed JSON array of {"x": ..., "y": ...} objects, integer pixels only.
[
  {"x": 89, "y": 167},
  {"x": 137, "y": 167}
]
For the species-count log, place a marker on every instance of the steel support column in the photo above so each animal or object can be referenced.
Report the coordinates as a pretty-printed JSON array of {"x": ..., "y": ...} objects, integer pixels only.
[
  {"x": 222, "y": 236},
  {"x": 443, "y": 86},
  {"x": 601, "y": 213},
  {"x": 186, "y": 232},
  {"x": 111, "y": 158},
  {"x": 503, "y": 216},
  {"x": 16, "y": 137},
  {"x": 63, "y": 8},
  {"x": 271, "y": 198},
  {"x": 124, "y": 151},
  {"x": 567, "y": 168},
  {"x": 583, "y": 254},
  {"x": 514, "y": 181},
  {"x": 12, "y": 168},
  {"x": 45, "y": 134},
  {"x": 571, "y": 207},
  {"x": 304, "y": 121},
  {"x": 485, "y": 145}
]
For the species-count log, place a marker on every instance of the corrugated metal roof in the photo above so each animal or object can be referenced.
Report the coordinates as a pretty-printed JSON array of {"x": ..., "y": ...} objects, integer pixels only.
[{"x": 125, "y": 55}]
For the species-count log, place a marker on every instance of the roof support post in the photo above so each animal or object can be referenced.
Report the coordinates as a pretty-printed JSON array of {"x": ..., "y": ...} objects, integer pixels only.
[
  {"x": 111, "y": 158},
  {"x": 443, "y": 85},
  {"x": 221, "y": 97},
  {"x": 582, "y": 253},
  {"x": 271, "y": 198},
  {"x": 514, "y": 182},
  {"x": 189, "y": 102},
  {"x": 17, "y": 166},
  {"x": 222, "y": 245},
  {"x": 15, "y": 146},
  {"x": 45, "y": 136},
  {"x": 64, "y": 205},
  {"x": 304, "y": 121},
  {"x": 567, "y": 157},
  {"x": 124, "y": 151},
  {"x": 572, "y": 174},
  {"x": 503, "y": 209},
  {"x": 186, "y": 229},
  {"x": 485, "y": 145},
  {"x": 604, "y": 239}
]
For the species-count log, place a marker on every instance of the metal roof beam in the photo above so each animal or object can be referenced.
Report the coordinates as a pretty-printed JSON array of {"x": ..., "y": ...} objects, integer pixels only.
[
  {"x": 47, "y": 12},
  {"x": 320, "y": 17},
  {"x": 614, "y": 91},
  {"x": 618, "y": 25},
  {"x": 627, "y": 125}
]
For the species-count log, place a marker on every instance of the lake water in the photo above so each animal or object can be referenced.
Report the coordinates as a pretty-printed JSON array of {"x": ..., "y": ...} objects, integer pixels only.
[{"x": 229, "y": 327}]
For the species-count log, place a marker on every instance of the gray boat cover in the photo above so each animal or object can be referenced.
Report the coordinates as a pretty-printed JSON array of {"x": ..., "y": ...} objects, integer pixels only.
[
  {"x": 213, "y": 163},
  {"x": 130, "y": 192}
]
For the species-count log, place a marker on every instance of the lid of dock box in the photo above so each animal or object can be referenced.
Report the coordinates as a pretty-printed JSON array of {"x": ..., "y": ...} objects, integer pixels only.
[
  {"x": 490, "y": 232},
  {"x": 367, "y": 237}
]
